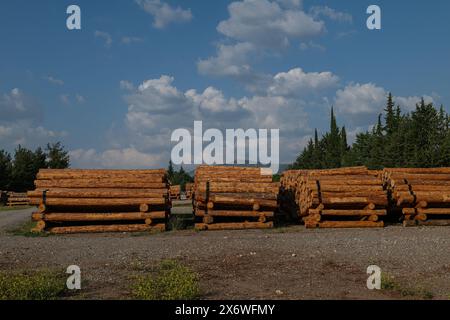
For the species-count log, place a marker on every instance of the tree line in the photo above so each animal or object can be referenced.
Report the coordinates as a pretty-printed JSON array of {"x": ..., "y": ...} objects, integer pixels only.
[
  {"x": 420, "y": 138},
  {"x": 180, "y": 177},
  {"x": 18, "y": 172}
]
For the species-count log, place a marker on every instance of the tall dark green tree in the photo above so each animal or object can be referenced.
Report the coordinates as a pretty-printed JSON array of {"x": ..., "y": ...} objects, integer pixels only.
[
  {"x": 5, "y": 170},
  {"x": 57, "y": 156},
  {"x": 23, "y": 170}
]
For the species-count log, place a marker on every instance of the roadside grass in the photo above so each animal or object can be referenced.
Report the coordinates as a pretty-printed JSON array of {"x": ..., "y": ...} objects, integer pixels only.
[
  {"x": 24, "y": 230},
  {"x": 389, "y": 283},
  {"x": 168, "y": 281},
  {"x": 5, "y": 208},
  {"x": 37, "y": 285}
]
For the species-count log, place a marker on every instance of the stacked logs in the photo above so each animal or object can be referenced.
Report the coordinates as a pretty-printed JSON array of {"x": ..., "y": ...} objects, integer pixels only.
[
  {"x": 422, "y": 194},
  {"x": 189, "y": 190},
  {"x": 175, "y": 192},
  {"x": 234, "y": 198},
  {"x": 78, "y": 201},
  {"x": 289, "y": 197},
  {"x": 341, "y": 198},
  {"x": 15, "y": 199}
]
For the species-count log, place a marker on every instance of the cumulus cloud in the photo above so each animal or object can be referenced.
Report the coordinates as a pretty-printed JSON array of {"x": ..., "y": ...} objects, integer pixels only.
[
  {"x": 325, "y": 11},
  {"x": 163, "y": 14},
  {"x": 296, "y": 82},
  {"x": 114, "y": 158},
  {"x": 267, "y": 24},
  {"x": 21, "y": 121},
  {"x": 105, "y": 36},
  {"x": 54, "y": 80},
  {"x": 360, "y": 98},
  {"x": 231, "y": 60}
]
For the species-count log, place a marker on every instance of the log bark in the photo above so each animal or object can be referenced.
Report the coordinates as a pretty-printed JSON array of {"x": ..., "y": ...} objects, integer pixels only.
[
  {"x": 99, "y": 202},
  {"x": 80, "y": 217},
  {"x": 234, "y": 226},
  {"x": 351, "y": 224},
  {"x": 99, "y": 183},
  {"x": 96, "y": 193},
  {"x": 107, "y": 228},
  {"x": 234, "y": 213}
]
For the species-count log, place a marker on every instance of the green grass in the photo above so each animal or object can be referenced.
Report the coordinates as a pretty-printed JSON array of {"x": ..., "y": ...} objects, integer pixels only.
[
  {"x": 39, "y": 285},
  {"x": 389, "y": 283},
  {"x": 24, "y": 230},
  {"x": 5, "y": 208},
  {"x": 169, "y": 281}
]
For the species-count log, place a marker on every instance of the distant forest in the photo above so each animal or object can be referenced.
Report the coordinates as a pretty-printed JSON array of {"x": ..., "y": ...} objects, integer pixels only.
[{"x": 417, "y": 139}]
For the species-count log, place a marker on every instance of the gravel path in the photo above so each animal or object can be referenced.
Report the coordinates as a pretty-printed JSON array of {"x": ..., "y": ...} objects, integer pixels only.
[
  {"x": 288, "y": 263},
  {"x": 10, "y": 219}
]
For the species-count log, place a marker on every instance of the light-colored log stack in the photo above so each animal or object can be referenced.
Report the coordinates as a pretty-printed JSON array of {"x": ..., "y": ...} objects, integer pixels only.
[
  {"x": 422, "y": 194},
  {"x": 234, "y": 198},
  {"x": 189, "y": 188},
  {"x": 342, "y": 198},
  {"x": 289, "y": 200},
  {"x": 175, "y": 192},
  {"x": 78, "y": 201},
  {"x": 15, "y": 199}
]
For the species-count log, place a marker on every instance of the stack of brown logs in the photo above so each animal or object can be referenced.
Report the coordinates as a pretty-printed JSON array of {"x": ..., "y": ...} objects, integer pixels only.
[
  {"x": 16, "y": 199},
  {"x": 234, "y": 198},
  {"x": 422, "y": 194},
  {"x": 175, "y": 192},
  {"x": 78, "y": 201},
  {"x": 189, "y": 190},
  {"x": 289, "y": 200},
  {"x": 338, "y": 198}
]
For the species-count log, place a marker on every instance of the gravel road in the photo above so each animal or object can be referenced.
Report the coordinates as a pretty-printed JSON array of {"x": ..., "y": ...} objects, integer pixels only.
[{"x": 287, "y": 263}]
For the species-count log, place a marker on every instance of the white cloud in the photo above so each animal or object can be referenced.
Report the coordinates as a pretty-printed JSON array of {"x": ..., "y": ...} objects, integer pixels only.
[
  {"x": 80, "y": 99},
  {"x": 54, "y": 80},
  {"x": 360, "y": 98},
  {"x": 325, "y": 11},
  {"x": 64, "y": 98},
  {"x": 114, "y": 158},
  {"x": 266, "y": 24},
  {"x": 21, "y": 121},
  {"x": 231, "y": 60},
  {"x": 296, "y": 82},
  {"x": 409, "y": 103},
  {"x": 105, "y": 36},
  {"x": 130, "y": 40},
  {"x": 163, "y": 14}
]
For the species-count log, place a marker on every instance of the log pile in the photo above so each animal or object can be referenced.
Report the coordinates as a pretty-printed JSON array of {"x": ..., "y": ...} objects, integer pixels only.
[
  {"x": 422, "y": 194},
  {"x": 189, "y": 189},
  {"x": 15, "y": 199},
  {"x": 337, "y": 198},
  {"x": 79, "y": 201},
  {"x": 234, "y": 198},
  {"x": 289, "y": 197},
  {"x": 175, "y": 192}
]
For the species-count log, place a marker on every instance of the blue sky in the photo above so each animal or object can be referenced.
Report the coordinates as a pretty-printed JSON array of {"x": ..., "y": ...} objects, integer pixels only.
[{"x": 115, "y": 90}]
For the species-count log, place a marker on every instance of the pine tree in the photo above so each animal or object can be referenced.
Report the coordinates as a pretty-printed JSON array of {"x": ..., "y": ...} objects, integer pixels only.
[
  {"x": 58, "y": 157},
  {"x": 5, "y": 170}
]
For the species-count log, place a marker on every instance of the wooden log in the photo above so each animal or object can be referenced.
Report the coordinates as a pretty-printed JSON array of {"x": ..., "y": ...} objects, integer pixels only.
[
  {"x": 92, "y": 193},
  {"x": 40, "y": 226},
  {"x": 98, "y": 183},
  {"x": 107, "y": 228},
  {"x": 99, "y": 202},
  {"x": 434, "y": 211},
  {"x": 234, "y": 213},
  {"x": 354, "y": 200},
  {"x": 265, "y": 187},
  {"x": 351, "y": 224},
  {"x": 79, "y": 217},
  {"x": 234, "y": 226},
  {"x": 216, "y": 199},
  {"x": 421, "y": 217},
  {"x": 373, "y": 218},
  {"x": 331, "y": 212},
  {"x": 207, "y": 219},
  {"x": 125, "y": 177}
]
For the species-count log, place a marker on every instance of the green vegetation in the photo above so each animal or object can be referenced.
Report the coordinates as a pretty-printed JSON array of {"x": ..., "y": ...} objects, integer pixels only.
[
  {"x": 18, "y": 173},
  {"x": 40, "y": 285},
  {"x": 417, "y": 139},
  {"x": 180, "y": 177},
  {"x": 24, "y": 230},
  {"x": 169, "y": 281},
  {"x": 389, "y": 283}
]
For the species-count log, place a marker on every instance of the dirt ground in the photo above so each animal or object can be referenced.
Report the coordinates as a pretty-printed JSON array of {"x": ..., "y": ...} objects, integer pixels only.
[{"x": 286, "y": 263}]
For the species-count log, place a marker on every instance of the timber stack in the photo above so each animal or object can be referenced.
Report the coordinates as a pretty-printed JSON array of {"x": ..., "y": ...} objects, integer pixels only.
[
  {"x": 234, "y": 198},
  {"x": 79, "y": 201},
  {"x": 289, "y": 200},
  {"x": 421, "y": 194},
  {"x": 16, "y": 199},
  {"x": 342, "y": 198},
  {"x": 189, "y": 188},
  {"x": 175, "y": 192}
]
